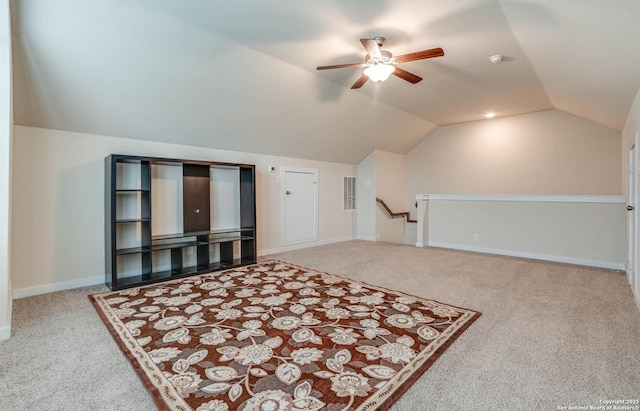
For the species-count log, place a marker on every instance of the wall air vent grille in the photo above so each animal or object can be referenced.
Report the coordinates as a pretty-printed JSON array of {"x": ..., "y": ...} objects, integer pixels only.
[{"x": 348, "y": 193}]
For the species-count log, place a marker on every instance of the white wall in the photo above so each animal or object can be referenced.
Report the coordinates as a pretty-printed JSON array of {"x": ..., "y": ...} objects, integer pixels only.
[
  {"x": 58, "y": 180},
  {"x": 381, "y": 174},
  {"x": 547, "y": 152},
  {"x": 6, "y": 122},
  {"x": 366, "y": 198},
  {"x": 390, "y": 176}
]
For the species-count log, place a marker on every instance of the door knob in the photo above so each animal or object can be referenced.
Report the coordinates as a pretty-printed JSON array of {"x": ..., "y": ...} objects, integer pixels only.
[
  {"x": 288, "y": 192},
  {"x": 630, "y": 208},
  {"x": 197, "y": 211}
]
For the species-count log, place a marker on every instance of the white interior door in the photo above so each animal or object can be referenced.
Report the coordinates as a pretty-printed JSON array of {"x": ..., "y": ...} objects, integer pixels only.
[
  {"x": 632, "y": 216},
  {"x": 634, "y": 279},
  {"x": 299, "y": 205}
]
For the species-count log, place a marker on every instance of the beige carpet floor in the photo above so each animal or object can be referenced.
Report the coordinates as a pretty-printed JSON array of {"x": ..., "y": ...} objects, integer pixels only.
[{"x": 551, "y": 335}]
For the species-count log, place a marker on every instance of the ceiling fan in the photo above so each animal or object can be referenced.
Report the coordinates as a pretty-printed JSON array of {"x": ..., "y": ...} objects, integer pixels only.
[{"x": 380, "y": 64}]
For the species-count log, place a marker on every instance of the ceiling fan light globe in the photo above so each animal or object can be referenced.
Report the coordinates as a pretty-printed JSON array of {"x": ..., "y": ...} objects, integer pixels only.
[{"x": 379, "y": 72}]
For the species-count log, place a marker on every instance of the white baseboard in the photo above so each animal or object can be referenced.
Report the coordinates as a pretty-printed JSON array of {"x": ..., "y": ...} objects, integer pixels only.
[
  {"x": 365, "y": 237},
  {"x": 637, "y": 299},
  {"x": 555, "y": 258},
  {"x": 61, "y": 286},
  {"x": 421, "y": 244},
  {"x": 5, "y": 333},
  {"x": 303, "y": 245},
  {"x": 85, "y": 282}
]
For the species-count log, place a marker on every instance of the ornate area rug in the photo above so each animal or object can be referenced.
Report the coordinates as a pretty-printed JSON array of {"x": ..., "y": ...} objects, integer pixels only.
[{"x": 274, "y": 337}]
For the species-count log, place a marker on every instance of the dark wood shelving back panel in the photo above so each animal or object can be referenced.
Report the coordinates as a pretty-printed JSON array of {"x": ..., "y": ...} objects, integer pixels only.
[{"x": 196, "y": 197}]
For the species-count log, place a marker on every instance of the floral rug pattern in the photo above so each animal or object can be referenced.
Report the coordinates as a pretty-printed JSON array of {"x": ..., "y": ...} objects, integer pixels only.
[{"x": 274, "y": 337}]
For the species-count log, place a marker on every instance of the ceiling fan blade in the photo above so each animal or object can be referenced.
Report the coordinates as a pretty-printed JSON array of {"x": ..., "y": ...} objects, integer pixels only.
[
  {"x": 339, "y": 66},
  {"x": 373, "y": 50},
  {"x": 420, "y": 55},
  {"x": 360, "y": 82},
  {"x": 405, "y": 75}
]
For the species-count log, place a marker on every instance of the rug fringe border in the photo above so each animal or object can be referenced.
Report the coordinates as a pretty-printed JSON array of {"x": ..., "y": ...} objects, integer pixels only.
[{"x": 156, "y": 394}]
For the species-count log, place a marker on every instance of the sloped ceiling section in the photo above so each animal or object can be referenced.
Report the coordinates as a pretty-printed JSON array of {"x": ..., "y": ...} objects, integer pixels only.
[
  {"x": 586, "y": 53},
  {"x": 125, "y": 70},
  {"x": 241, "y": 75}
]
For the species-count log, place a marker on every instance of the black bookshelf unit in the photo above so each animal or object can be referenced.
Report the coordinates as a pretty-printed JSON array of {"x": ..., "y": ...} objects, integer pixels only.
[{"x": 136, "y": 255}]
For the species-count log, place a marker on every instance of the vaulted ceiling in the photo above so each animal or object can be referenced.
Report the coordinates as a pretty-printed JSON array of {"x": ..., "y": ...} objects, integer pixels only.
[{"x": 240, "y": 75}]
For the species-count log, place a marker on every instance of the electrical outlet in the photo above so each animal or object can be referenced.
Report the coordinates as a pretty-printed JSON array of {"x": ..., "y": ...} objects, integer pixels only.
[{"x": 475, "y": 237}]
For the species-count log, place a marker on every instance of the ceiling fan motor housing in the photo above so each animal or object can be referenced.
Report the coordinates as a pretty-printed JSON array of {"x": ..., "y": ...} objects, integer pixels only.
[{"x": 385, "y": 58}]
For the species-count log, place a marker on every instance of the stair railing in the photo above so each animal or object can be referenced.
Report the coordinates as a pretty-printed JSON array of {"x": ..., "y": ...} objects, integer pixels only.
[{"x": 391, "y": 214}]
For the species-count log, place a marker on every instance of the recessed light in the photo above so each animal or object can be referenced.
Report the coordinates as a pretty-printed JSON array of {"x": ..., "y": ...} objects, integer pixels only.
[{"x": 490, "y": 115}]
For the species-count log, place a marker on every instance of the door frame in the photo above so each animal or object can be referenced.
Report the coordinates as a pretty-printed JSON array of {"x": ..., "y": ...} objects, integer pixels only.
[
  {"x": 632, "y": 215},
  {"x": 283, "y": 171}
]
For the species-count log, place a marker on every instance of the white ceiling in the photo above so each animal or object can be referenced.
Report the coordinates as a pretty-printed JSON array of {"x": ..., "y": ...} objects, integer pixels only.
[{"x": 240, "y": 75}]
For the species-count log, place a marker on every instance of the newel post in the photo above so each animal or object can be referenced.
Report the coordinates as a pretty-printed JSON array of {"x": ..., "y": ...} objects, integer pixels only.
[{"x": 422, "y": 229}]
